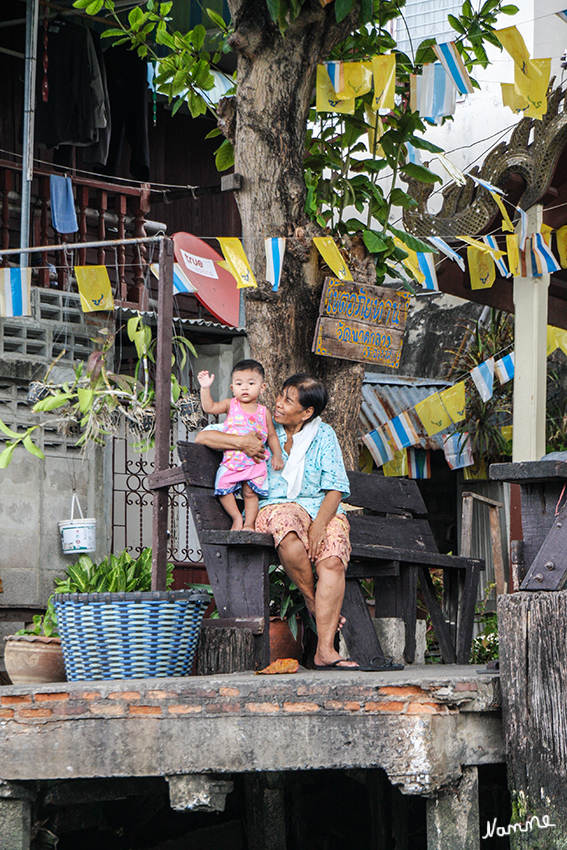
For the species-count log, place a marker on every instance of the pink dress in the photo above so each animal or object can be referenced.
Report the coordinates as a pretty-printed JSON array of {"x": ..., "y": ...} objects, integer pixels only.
[{"x": 236, "y": 466}]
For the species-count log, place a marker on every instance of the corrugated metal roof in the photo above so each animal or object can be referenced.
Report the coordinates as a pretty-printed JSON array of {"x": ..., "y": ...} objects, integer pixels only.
[
  {"x": 200, "y": 323},
  {"x": 385, "y": 397}
]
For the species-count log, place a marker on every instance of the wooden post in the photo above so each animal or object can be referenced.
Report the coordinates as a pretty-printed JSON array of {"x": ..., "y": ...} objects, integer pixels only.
[
  {"x": 530, "y": 358},
  {"x": 163, "y": 411},
  {"x": 533, "y": 673}
]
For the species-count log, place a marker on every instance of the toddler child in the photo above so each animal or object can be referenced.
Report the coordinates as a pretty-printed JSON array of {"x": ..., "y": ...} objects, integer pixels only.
[{"x": 237, "y": 471}]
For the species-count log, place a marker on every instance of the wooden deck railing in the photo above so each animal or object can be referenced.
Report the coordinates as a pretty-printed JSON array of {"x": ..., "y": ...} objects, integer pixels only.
[{"x": 105, "y": 211}]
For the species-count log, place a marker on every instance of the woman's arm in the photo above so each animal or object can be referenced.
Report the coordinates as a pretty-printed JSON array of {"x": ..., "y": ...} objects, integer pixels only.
[
  {"x": 318, "y": 529},
  {"x": 274, "y": 444},
  {"x": 251, "y": 444}
]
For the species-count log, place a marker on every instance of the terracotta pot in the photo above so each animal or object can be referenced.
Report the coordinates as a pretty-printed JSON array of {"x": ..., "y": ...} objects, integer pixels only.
[
  {"x": 31, "y": 659},
  {"x": 282, "y": 642}
]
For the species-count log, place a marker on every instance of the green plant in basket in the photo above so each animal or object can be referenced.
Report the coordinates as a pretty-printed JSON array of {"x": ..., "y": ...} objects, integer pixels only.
[
  {"x": 122, "y": 574},
  {"x": 44, "y": 625}
]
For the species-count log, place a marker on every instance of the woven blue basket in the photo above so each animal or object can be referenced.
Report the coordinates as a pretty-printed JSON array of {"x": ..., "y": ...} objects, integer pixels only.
[{"x": 129, "y": 635}]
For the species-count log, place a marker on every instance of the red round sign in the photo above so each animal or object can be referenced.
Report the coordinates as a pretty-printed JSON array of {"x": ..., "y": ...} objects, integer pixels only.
[{"x": 215, "y": 286}]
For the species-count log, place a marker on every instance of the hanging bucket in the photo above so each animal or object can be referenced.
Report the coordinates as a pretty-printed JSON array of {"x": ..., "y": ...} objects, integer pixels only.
[{"x": 77, "y": 535}]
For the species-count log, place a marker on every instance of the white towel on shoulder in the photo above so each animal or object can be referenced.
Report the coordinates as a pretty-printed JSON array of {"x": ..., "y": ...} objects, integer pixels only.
[{"x": 295, "y": 464}]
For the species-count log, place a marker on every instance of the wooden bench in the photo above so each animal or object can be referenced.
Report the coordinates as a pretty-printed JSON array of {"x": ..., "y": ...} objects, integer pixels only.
[{"x": 394, "y": 546}]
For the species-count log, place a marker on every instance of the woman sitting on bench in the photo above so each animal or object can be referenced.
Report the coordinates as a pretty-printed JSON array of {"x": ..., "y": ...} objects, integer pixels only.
[{"x": 303, "y": 510}]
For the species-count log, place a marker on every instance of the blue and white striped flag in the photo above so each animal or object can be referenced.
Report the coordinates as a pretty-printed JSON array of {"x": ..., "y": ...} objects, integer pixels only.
[
  {"x": 275, "y": 250},
  {"x": 181, "y": 283},
  {"x": 562, "y": 15},
  {"x": 523, "y": 228},
  {"x": 419, "y": 463},
  {"x": 336, "y": 73},
  {"x": 545, "y": 262},
  {"x": 442, "y": 246},
  {"x": 483, "y": 377},
  {"x": 436, "y": 96},
  {"x": 414, "y": 155},
  {"x": 457, "y": 450},
  {"x": 15, "y": 292},
  {"x": 499, "y": 262},
  {"x": 454, "y": 66},
  {"x": 427, "y": 266},
  {"x": 504, "y": 368},
  {"x": 378, "y": 446},
  {"x": 485, "y": 184},
  {"x": 402, "y": 431}
]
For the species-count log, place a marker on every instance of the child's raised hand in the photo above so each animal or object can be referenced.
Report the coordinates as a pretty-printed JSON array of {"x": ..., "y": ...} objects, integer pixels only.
[
  {"x": 277, "y": 462},
  {"x": 205, "y": 380}
]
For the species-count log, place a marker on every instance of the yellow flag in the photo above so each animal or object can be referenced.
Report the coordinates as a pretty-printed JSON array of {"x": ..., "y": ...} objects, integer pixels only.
[
  {"x": 481, "y": 268},
  {"x": 237, "y": 261},
  {"x": 476, "y": 472},
  {"x": 514, "y": 44},
  {"x": 375, "y": 130},
  {"x": 384, "y": 70},
  {"x": 561, "y": 339},
  {"x": 507, "y": 432},
  {"x": 454, "y": 401},
  {"x": 398, "y": 466},
  {"x": 561, "y": 236},
  {"x": 552, "y": 343},
  {"x": 546, "y": 230},
  {"x": 512, "y": 98},
  {"x": 514, "y": 254},
  {"x": 506, "y": 223},
  {"x": 94, "y": 288},
  {"x": 534, "y": 89},
  {"x": 482, "y": 246},
  {"x": 432, "y": 414},
  {"x": 327, "y": 247},
  {"x": 327, "y": 100},
  {"x": 357, "y": 80},
  {"x": 411, "y": 261}
]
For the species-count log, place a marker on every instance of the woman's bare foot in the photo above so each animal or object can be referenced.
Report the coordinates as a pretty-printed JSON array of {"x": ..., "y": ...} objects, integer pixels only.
[
  {"x": 237, "y": 524},
  {"x": 334, "y": 660},
  {"x": 248, "y": 527}
]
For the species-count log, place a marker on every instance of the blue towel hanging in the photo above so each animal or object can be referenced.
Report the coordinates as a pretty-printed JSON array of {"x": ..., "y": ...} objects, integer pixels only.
[{"x": 63, "y": 215}]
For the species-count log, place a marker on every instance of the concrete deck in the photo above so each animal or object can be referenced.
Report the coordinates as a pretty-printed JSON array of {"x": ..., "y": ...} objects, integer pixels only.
[{"x": 421, "y": 725}]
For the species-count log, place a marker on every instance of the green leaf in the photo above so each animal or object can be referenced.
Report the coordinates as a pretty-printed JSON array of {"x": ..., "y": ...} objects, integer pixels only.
[
  {"x": 199, "y": 34},
  {"x": 342, "y": 9},
  {"x": 82, "y": 4},
  {"x": 111, "y": 33},
  {"x": 456, "y": 24},
  {"x": 135, "y": 16},
  {"x": 9, "y": 432},
  {"x": 412, "y": 242},
  {"x": 216, "y": 18},
  {"x": 6, "y": 455},
  {"x": 366, "y": 11},
  {"x": 86, "y": 398},
  {"x": 51, "y": 403},
  {"x": 213, "y": 134},
  {"x": 509, "y": 10},
  {"x": 373, "y": 242},
  {"x": 32, "y": 448},
  {"x": 224, "y": 156},
  {"x": 419, "y": 172},
  {"x": 399, "y": 198},
  {"x": 424, "y": 145}
]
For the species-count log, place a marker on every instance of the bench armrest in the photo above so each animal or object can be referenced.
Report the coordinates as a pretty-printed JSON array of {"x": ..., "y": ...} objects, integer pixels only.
[
  {"x": 409, "y": 556},
  {"x": 219, "y": 537}
]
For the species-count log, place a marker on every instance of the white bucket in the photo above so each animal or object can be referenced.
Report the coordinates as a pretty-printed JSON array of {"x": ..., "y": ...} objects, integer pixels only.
[{"x": 77, "y": 535}]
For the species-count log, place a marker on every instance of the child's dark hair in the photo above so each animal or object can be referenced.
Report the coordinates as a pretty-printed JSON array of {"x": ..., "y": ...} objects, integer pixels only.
[
  {"x": 249, "y": 366},
  {"x": 311, "y": 392}
]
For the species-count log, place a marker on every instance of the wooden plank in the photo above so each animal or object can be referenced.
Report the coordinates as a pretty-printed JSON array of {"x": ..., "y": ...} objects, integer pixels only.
[
  {"x": 440, "y": 627},
  {"x": 539, "y": 502},
  {"x": 225, "y": 650},
  {"x": 394, "y": 531},
  {"x": 376, "y": 305},
  {"x": 385, "y": 495},
  {"x": 408, "y": 556},
  {"x": 529, "y": 471},
  {"x": 199, "y": 464},
  {"x": 165, "y": 478},
  {"x": 207, "y": 512},
  {"x": 549, "y": 568},
  {"x": 496, "y": 541},
  {"x": 235, "y": 538},
  {"x": 372, "y": 568},
  {"x": 358, "y": 631},
  {"x": 467, "y": 613},
  {"x": 255, "y": 624},
  {"x": 348, "y": 340},
  {"x": 409, "y": 601}
]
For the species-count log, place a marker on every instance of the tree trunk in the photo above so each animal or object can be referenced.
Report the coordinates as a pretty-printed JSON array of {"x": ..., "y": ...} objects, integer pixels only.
[{"x": 276, "y": 76}]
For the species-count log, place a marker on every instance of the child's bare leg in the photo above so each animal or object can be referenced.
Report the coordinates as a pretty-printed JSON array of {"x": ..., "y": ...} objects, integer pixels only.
[
  {"x": 250, "y": 507},
  {"x": 229, "y": 504}
]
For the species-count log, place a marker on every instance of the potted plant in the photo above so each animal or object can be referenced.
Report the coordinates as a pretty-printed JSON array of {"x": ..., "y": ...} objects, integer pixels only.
[
  {"x": 34, "y": 656},
  {"x": 288, "y": 616},
  {"x": 113, "y": 626}
]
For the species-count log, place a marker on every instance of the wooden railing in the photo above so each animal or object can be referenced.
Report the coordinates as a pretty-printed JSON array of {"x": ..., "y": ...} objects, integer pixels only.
[{"x": 105, "y": 211}]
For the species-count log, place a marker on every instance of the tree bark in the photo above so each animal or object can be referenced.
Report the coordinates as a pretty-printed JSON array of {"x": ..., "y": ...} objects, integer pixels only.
[{"x": 276, "y": 76}]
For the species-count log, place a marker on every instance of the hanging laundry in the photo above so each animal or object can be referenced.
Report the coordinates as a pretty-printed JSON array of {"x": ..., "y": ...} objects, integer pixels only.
[
  {"x": 328, "y": 249},
  {"x": 419, "y": 463},
  {"x": 454, "y": 66},
  {"x": 504, "y": 368},
  {"x": 94, "y": 288},
  {"x": 15, "y": 292},
  {"x": 326, "y": 97},
  {"x": 377, "y": 444},
  {"x": 483, "y": 377},
  {"x": 433, "y": 414},
  {"x": 513, "y": 250},
  {"x": 442, "y": 246},
  {"x": 426, "y": 264},
  {"x": 63, "y": 215},
  {"x": 275, "y": 250},
  {"x": 499, "y": 262},
  {"x": 384, "y": 71},
  {"x": 454, "y": 400},
  {"x": 482, "y": 270},
  {"x": 457, "y": 450},
  {"x": 237, "y": 260},
  {"x": 402, "y": 431}
]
